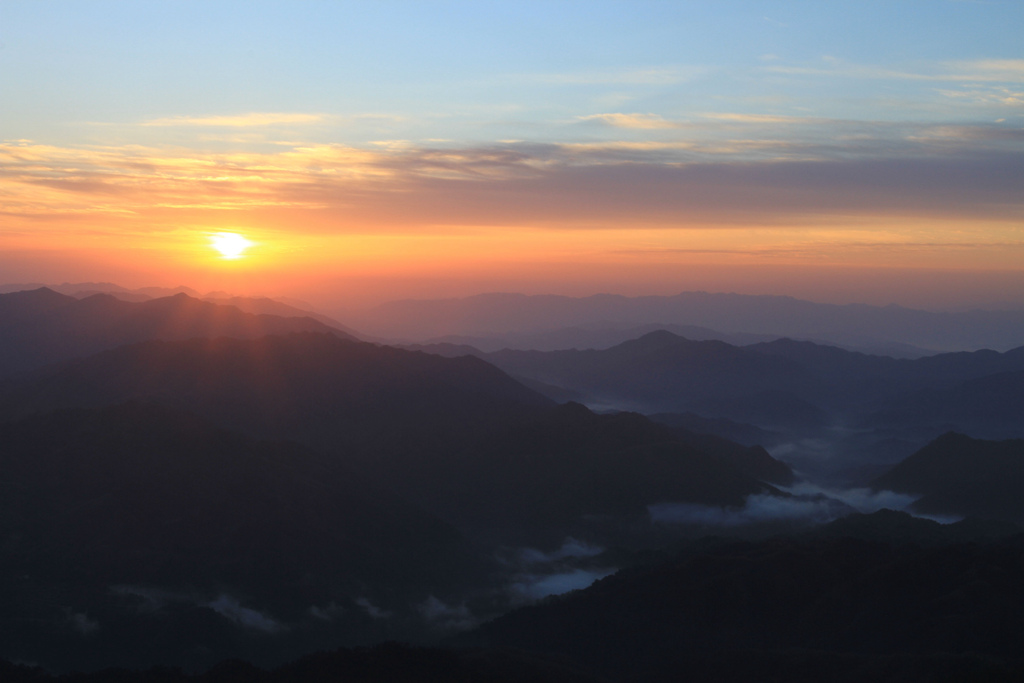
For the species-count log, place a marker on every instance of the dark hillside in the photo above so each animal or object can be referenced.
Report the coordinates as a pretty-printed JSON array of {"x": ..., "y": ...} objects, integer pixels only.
[
  {"x": 455, "y": 435},
  {"x": 169, "y": 537},
  {"x": 958, "y": 475},
  {"x": 576, "y": 473},
  {"x": 793, "y": 605}
]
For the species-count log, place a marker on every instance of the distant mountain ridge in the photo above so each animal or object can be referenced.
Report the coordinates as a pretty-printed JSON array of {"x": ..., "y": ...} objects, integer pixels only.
[
  {"x": 41, "y": 326},
  {"x": 853, "y": 325},
  {"x": 662, "y": 372},
  {"x": 284, "y": 307}
]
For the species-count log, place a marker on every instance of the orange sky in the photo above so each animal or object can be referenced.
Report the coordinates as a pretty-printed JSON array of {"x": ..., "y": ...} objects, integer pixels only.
[{"x": 498, "y": 217}]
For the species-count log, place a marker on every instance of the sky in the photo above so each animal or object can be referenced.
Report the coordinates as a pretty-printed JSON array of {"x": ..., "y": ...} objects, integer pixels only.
[{"x": 836, "y": 151}]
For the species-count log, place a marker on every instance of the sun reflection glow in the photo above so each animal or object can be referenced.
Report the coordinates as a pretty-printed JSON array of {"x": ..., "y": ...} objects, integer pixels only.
[{"x": 231, "y": 245}]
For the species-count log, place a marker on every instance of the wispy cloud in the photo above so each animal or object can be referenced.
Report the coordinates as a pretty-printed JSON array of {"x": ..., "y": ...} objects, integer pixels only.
[
  {"x": 760, "y": 118},
  {"x": 250, "y": 120},
  {"x": 638, "y": 121},
  {"x": 1006, "y": 70},
  {"x": 982, "y": 70},
  {"x": 994, "y": 95},
  {"x": 927, "y": 172}
]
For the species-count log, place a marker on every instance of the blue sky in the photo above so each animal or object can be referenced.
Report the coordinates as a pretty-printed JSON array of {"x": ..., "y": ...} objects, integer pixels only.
[{"x": 482, "y": 71}]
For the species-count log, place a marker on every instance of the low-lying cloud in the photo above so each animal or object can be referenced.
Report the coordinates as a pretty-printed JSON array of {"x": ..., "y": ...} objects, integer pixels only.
[
  {"x": 537, "y": 586},
  {"x": 808, "y": 503},
  {"x": 153, "y": 600},
  {"x": 572, "y": 566},
  {"x": 757, "y": 509},
  {"x": 230, "y": 608},
  {"x": 446, "y": 617}
]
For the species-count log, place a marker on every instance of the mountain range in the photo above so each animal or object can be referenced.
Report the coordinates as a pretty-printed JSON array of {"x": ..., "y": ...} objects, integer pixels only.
[
  {"x": 508, "y": 319},
  {"x": 38, "y": 327},
  {"x": 455, "y": 435},
  {"x": 184, "y": 480}
]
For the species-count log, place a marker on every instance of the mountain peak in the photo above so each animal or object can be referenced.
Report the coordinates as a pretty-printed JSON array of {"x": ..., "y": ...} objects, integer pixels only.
[{"x": 652, "y": 341}]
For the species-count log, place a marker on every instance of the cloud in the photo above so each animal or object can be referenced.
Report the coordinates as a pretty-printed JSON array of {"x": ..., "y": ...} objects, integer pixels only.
[
  {"x": 446, "y": 617},
  {"x": 372, "y": 609},
  {"x": 535, "y": 587},
  {"x": 862, "y": 500},
  {"x": 808, "y": 503},
  {"x": 849, "y": 172},
  {"x": 240, "y": 121},
  {"x": 637, "y": 121},
  {"x": 980, "y": 70},
  {"x": 993, "y": 95},
  {"x": 760, "y": 118},
  {"x": 230, "y": 608},
  {"x": 757, "y": 509},
  {"x": 571, "y": 548},
  {"x": 326, "y": 613},
  {"x": 82, "y": 623},
  {"x": 1005, "y": 70},
  {"x": 155, "y": 599}
]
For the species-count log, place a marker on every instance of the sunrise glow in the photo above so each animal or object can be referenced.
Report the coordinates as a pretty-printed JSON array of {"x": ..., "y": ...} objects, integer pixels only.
[
  {"x": 230, "y": 245},
  {"x": 747, "y": 146}
]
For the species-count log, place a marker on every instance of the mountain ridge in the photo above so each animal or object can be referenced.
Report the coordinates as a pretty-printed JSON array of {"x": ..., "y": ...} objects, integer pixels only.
[
  {"x": 856, "y": 325},
  {"x": 41, "y": 326}
]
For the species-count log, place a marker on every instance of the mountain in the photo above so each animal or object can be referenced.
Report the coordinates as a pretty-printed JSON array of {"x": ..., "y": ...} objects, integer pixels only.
[
  {"x": 41, "y": 326},
  {"x": 738, "y": 432},
  {"x": 989, "y": 407},
  {"x": 388, "y": 662},
  {"x": 591, "y": 337},
  {"x": 166, "y": 535},
  {"x": 264, "y": 306},
  {"x": 853, "y": 325},
  {"x": 782, "y": 384},
  {"x": 575, "y": 473},
  {"x": 395, "y": 417},
  {"x": 315, "y": 387},
  {"x": 960, "y": 476},
  {"x": 659, "y": 372},
  {"x": 821, "y": 608},
  {"x": 456, "y": 436}
]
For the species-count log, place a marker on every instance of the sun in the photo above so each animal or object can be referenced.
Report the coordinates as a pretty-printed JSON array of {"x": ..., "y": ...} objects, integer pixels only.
[{"x": 231, "y": 245}]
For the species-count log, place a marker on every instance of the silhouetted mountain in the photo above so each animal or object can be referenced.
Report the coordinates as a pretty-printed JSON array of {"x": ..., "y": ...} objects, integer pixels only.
[
  {"x": 745, "y": 434},
  {"x": 576, "y": 473},
  {"x": 170, "y": 538},
  {"x": 264, "y": 306},
  {"x": 989, "y": 407},
  {"x": 658, "y": 372},
  {"x": 388, "y": 662},
  {"x": 592, "y": 337},
  {"x": 456, "y": 436},
  {"x": 70, "y": 288},
  {"x": 852, "y": 325},
  {"x": 785, "y": 602},
  {"x": 889, "y": 526},
  {"x": 41, "y": 326},
  {"x": 785, "y": 385},
  {"x": 317, "y": 388},
  {"x": 958, "y": 475}
]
